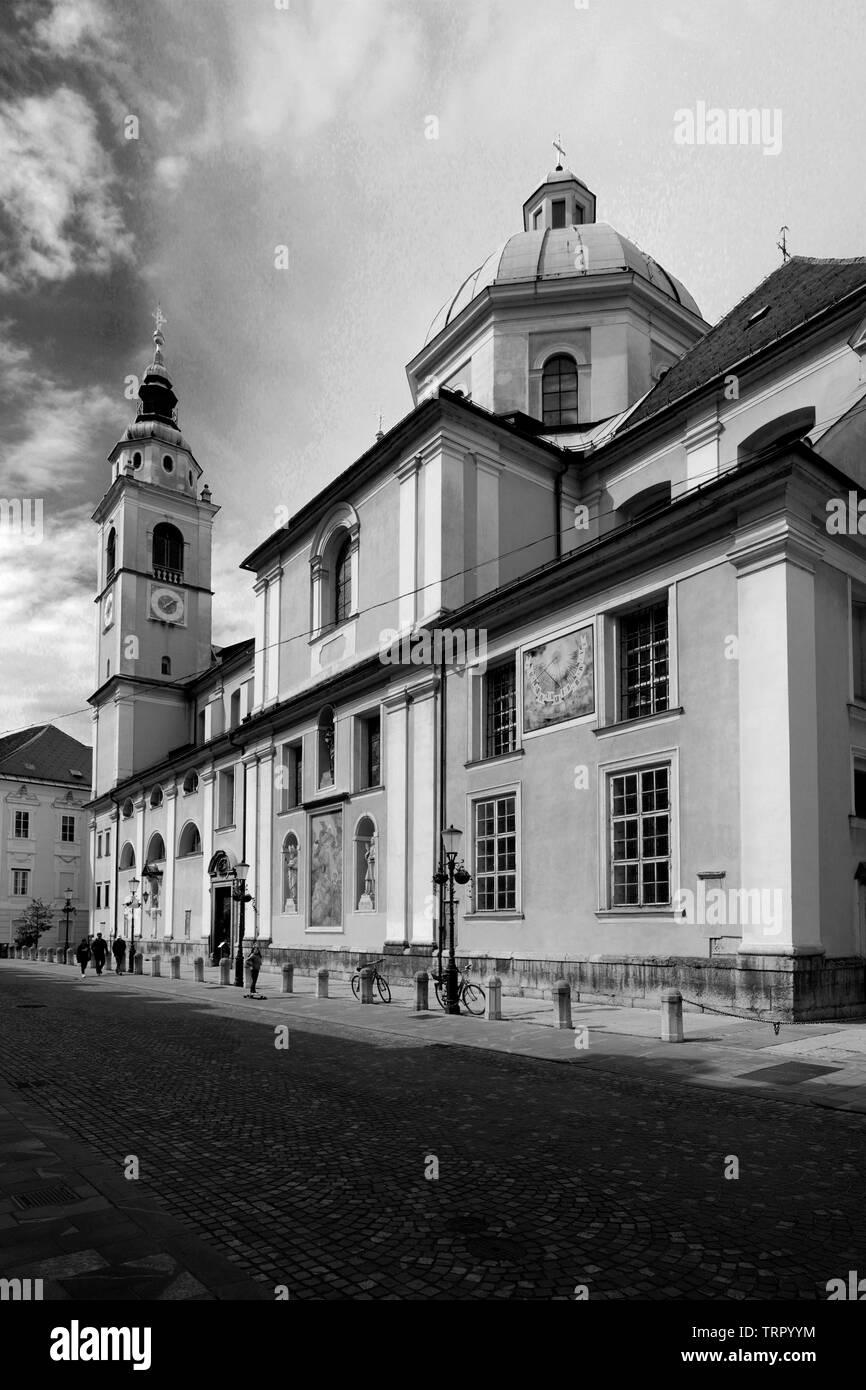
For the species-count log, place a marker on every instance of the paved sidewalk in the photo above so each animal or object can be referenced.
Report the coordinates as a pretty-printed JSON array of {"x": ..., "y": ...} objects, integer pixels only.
[{"x": 806, "y": 1064}]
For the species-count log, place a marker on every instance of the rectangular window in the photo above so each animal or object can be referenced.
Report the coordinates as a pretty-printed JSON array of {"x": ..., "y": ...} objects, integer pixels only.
[
  {"x": 20, "y": 883},
  {"x": 108, "y": 842},
  {"x": 291, "y": 777},
  {"x": 98, "y": 844},
  {"x": 640, "y": 836},
  {"x": 860, "y": 793},
  {"x": 369, "y": 764},
  {"x": 644, "y": 663},
  {"x": 105, "y": 893},
  {"x": 557, "y": 208},
  {"x": 500, "y": 710},
  {"x": 858, "y": 632},
  {"x": 99, "y": 895},
  {"x": 226, "y": 799},
  {"x": 22, "y": 825},
  {"x": 496, "y": 854},
  {"x": 67, "y": 829}
]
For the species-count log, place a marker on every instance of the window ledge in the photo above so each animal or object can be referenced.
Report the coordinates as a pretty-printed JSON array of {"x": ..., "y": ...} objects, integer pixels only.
[
  {"x": 376, "y": 787},
  {"x": 622, "y": 725},
  {"x": 664, "y": 914},
  {"x": 332, "y": 630},
  {"x": 857, "y": 822},
  {"x": 497, "y": 758},
  {"x": 493, "y": 917},
  {"x": 857, "y": 708},
  {"x": 218, "y": 829}
]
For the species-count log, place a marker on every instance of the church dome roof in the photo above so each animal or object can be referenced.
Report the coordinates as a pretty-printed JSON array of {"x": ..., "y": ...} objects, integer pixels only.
[
  {"x": 593, "y": 248},
  {"x": 143, "y": 428}
]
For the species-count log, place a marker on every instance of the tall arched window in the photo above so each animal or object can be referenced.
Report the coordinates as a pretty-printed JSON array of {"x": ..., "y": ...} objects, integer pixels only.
[
  {"x": 559, "y": 391},
  {"x": 366, "y": 881},
  {"x": 156, "y": 797},
  {"x": 326, "y": 748},
  {"x": 189, "y": 842},
  {"x": 156, "y": 849},
  {"x": 290, "y": 872},
  {"x": 343, "y": 581},
  {"x": 166, "y": 666},
  {"x": 167, "y": 552},
  {"x": 127, "y": 857},
  {"x": 110, "y": 554}
]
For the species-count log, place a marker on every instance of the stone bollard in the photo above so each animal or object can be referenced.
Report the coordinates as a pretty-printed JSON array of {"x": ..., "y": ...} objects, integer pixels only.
[
  {"x": 422, "y": 991},
  {"x": 493, "y": 1010},
  {"x": 288, "y": 979},
  {"x": 225, "y": 971},
  {"x": 52, "y": 955},
  {"x": 43, "y": 952},
  {"x": 198, "y": 970},
  {"x": 367, "y": 977},
  {"x": 156, "y": 965},
  {"x": 175, "y": 967},
  {"x": 672, "y": 1016},
  {"x": 322, "y": 985},
  {"x": 138, "y": 963},
  {"x": 562, "y": 1004},
  {"x": 70, "y": 956}
]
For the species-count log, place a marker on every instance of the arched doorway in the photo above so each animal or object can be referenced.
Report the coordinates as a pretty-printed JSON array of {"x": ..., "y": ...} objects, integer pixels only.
[{"x": 221, "y": 939}]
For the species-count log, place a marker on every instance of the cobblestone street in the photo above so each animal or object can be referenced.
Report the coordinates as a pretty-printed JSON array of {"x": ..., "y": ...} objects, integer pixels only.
[{"x": 305, "y": 1166}]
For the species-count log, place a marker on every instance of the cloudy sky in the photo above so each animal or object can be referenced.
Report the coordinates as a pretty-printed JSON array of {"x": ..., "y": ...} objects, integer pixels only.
[{"x": 305, "y": 123}]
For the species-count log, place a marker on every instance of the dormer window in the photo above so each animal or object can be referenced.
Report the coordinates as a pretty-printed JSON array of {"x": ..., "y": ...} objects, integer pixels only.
[{"x": 559, "y": 391}]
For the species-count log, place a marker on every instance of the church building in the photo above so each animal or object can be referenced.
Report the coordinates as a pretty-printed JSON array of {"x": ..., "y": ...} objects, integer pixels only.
[{"x": 598, "y": 600}]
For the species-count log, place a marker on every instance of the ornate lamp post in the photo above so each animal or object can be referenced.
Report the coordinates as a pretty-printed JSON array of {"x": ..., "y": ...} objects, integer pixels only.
[
  {"x": 68, "y": 910},
  {"x": 450, "y": 872},
  {"x": 134, "y": 902},
  {"x": 240, "y": 895}
]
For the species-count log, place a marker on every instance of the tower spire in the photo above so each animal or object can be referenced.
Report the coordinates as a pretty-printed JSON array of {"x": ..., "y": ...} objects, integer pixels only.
[{"x": 156, "y": 394}]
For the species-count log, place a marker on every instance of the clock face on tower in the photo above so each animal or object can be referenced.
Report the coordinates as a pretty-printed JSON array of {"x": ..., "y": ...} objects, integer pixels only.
[
  {"x": 167, "y": 605},
  {"x": 558, "y": 680}
]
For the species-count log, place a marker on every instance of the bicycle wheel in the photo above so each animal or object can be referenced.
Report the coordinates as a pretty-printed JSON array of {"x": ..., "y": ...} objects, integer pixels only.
[
  {"x": 474, "y": 998},
  {"x": 439, "y": 987},
  {"x": 356, "y": 986},
  {"x": 384, "y": 989}
]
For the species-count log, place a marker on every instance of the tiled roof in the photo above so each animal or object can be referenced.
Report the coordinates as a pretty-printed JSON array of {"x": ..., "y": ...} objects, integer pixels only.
[
  {"x": 45, "y": 754},
  {"x": 791, "y": 295}
]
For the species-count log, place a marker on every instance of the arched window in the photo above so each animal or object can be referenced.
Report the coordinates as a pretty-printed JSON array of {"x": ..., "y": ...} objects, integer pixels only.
[
  {"x": 110, "y": 554},
  {"x": 167, "y": 552},
  {"x": 136, "y": 460},
  {"x": 127, "y": 857},
  {"x": 290, "y": 872},
  {"x": 559, "y": 391},
  {"x": 156, "y": 796},
  {"x": 326, "y": 748},
  {"x": 189, "y": 842},
  {"x": 366, "y": 881},
  {"x": 343, "y": 581},
  {"x": 127, "y": 809},
  {"x": 190, "y": 783},
  {"x": 156, "y": 849},
  {"x": 166, "y": 666}
]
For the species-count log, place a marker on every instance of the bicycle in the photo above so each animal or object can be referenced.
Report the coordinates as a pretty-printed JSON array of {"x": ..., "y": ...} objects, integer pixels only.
[
  {"x": 378, "y": 980},
  {"x": 471, "y": 996}
]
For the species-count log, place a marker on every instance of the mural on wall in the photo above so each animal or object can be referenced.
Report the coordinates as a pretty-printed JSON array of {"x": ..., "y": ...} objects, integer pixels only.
[
  {"x": 326, "y": 870},
  {"x": 558, "y": 680}
]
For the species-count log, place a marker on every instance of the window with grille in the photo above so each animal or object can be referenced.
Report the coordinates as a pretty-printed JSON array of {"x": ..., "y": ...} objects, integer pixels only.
[
  {"x": 343, "y": 582},
  {"x": 559, "y": 391},
  {"x": 20, "y": 883},
  {"x": 496, "y": 854},
  {"x": 644, "y": 662},
  {"x": 22, "y": 825},
  {"x": 500, "y": 711},
  {"x": 640, "y": 835},
  {"x": 67, "y": 830}
]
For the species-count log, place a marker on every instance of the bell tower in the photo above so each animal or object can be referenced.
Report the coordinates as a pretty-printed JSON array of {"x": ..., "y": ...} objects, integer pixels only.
[{"x": 153, "y": 598}]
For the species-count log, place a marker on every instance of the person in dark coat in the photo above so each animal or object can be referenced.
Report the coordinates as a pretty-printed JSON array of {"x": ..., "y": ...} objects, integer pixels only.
[
  {"x": 118, "y": 950},
  {"x": 82, "y": 955},
  {"x": 254, "y": 961},
  {"x": 99, "y": 951}
]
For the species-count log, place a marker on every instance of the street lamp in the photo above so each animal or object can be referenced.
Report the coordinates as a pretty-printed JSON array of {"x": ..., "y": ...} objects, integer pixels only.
[
  {"x": 451, "y": 872},
  {"x": 134, "y": 885},
  {"x": 240, "y": 895},
  {"x": 68, "y": 908}
]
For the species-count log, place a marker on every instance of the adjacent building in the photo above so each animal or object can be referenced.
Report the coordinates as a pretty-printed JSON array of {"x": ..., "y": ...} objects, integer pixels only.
[{"x": 598, "y": 600}]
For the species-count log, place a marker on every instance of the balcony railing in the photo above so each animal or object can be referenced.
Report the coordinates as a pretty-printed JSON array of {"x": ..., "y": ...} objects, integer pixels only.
[{"x": 168, "y": 576}]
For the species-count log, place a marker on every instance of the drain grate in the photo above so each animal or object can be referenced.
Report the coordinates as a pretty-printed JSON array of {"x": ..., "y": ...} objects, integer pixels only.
[{"x": 45, "y": 1197}]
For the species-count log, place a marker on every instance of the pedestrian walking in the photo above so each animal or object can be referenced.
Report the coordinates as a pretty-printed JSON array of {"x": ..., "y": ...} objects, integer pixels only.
[
  {"x": 99, "y": 951},
  {"x": 118, "y": 950},
  {"x": 82, "y": 955},
  {"x": 254, "y": 961}
]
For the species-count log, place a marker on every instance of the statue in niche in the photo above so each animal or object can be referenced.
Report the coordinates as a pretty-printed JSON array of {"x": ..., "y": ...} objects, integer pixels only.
[
  {"x": 291, "y": 900},
  {"x": 368, "y": 897}
]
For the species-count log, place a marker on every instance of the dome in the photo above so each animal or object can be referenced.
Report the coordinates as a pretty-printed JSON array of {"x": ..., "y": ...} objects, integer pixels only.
[
  {"x": 561, "y": 253},
  {"x": 155, "y": 429}
]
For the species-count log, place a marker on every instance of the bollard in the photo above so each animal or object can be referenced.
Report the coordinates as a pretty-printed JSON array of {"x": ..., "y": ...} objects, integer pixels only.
[
  {"x": 288, "y": 978},
  {"x": 198, "y": 969},
  {"x": 52, "y": 955},
  {"x": 175, "y": 967},
  {"x": 672, "y": 1016},
  {"x": 156, "y": 965},
  {"x": 225, "y": 968},
  {"x": 493, "y": 1010},
  {"x": 248, "y": 978},
  {"x": 422, "y": 991},
  {"x": 138, "y": 963},
  {"x": 322, "y": 985},
  {"x": 562, "y": 1004},
  {"x": 43, "y": 952},
  {"x": 367, "y": 977},
  {"x": 70, "y": 956}
]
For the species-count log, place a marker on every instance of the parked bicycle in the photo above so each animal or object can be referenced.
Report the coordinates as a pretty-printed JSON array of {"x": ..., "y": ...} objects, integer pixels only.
[
  {"x": 379, "y": 981},
  {"x": 471, "y": 996}
]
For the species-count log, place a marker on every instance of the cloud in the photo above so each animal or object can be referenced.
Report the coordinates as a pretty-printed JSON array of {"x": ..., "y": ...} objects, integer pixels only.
[
  {"x": 72, "y": 22},
  {"x": 58, "y": 189}
]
